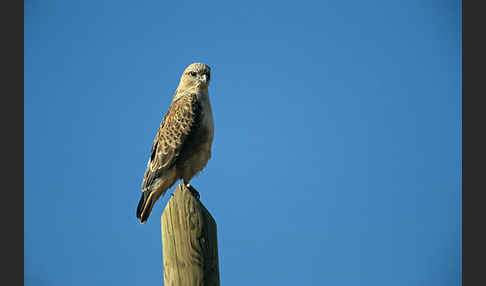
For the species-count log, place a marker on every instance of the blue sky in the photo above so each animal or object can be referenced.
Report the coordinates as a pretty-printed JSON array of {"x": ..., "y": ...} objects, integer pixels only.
[{"x": 336, "y": 158}]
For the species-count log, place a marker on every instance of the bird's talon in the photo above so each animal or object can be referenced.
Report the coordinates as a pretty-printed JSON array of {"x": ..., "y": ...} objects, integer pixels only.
[{"x": 193, "y": 191}]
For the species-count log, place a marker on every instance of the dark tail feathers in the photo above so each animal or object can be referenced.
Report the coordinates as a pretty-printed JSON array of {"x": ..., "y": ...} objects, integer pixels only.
[{"x": 144, "y": 207}]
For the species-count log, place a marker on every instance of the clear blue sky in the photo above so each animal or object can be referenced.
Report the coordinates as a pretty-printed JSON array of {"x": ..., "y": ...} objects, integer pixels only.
[{"x": 336, "y": 158}]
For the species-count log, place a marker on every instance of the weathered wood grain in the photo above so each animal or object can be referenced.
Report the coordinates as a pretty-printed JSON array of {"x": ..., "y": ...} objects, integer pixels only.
[{"x": 189, "y": 242}]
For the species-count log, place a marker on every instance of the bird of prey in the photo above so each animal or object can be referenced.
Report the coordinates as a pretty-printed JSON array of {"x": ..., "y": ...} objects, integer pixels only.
[{"x": 182, "y": 146}]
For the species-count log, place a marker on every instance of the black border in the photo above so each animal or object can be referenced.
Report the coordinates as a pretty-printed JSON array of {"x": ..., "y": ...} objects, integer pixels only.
[
  {"x": 473, "y": 144},
  {"x": 12, "y": 135}
]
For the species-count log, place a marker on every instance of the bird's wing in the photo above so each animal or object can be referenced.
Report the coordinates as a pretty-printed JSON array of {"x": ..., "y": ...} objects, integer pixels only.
[{"x": 178, "y": 124}]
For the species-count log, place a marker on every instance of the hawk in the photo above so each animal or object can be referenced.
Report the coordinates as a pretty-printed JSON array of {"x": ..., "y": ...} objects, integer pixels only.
[{"x": 182, "y": 146}]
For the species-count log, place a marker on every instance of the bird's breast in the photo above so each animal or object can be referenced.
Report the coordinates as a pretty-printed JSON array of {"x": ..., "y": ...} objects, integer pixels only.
[{"x": 207, "y": 121}]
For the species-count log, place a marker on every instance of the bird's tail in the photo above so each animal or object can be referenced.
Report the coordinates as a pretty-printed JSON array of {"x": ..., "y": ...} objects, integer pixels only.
[{"x": 146, "y": 204}]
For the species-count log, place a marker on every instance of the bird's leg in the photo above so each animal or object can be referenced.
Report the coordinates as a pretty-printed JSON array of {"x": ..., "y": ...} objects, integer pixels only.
[{"x": 194, "y": 192}]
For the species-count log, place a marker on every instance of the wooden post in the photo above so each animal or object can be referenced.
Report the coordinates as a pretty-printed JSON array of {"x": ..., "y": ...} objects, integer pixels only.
[{"x": 189, "y": 242}]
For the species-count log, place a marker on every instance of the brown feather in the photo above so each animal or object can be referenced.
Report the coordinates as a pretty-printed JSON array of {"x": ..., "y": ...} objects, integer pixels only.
[{"x": 178, "y": 124}]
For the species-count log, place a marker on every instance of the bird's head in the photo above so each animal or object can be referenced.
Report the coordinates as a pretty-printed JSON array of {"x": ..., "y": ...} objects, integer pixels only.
[{"x": 196, "y": 76}]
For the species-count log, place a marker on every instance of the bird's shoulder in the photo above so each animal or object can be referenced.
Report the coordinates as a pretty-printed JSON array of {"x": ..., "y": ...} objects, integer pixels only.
[{"x": 183, "y": 113}]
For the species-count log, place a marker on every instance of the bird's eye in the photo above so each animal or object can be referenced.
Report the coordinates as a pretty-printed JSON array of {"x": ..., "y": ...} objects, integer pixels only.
[{"x": 192, "y": 73}]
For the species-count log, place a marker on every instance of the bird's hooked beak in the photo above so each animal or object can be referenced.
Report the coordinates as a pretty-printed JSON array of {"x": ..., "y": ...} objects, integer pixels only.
[{"x": 203, "y": 78}]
